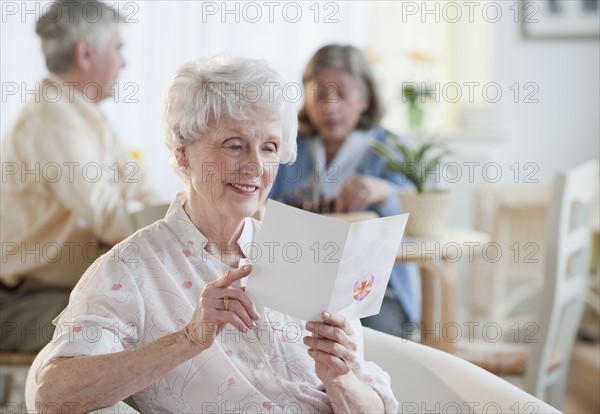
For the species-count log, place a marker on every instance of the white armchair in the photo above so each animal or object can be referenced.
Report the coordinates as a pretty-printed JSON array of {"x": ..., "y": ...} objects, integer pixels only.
[{"x": 423, "y": 379}]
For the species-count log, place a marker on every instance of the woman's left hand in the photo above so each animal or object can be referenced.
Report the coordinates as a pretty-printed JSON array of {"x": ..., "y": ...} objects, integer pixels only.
[
  {"x": 359, "y": 192},
  {"x": 332, "y": 346}
]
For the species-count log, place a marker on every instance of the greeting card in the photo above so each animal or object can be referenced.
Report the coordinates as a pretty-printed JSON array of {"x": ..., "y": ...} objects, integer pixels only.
[{"x": 306, "y": 263}]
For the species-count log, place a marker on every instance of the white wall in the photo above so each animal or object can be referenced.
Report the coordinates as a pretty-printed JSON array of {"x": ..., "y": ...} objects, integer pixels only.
[
  {"x": 520, "y": 140},
  {"x": 556, "y": 133},
  {"x": 536, "y": 139},
  {"x": 563, "y": 128}
]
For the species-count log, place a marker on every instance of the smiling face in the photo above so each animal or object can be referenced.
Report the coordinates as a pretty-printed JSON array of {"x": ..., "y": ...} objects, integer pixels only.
[
  {"x": 233, "y": 166},
  {"x": 334, "y": 104}
]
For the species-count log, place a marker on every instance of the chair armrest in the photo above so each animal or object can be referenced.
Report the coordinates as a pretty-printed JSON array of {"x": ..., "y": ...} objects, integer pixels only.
[{"x": 426, "y": 379}]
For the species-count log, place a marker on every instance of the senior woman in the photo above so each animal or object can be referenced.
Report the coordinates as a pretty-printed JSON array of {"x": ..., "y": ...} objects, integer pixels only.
[
  {"x": 336, "y": 171},
  {"x": 162, "y": 316}
]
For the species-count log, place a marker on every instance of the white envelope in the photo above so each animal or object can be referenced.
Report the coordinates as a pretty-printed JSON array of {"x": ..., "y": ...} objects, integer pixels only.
[{"x": 306, "y": 263}]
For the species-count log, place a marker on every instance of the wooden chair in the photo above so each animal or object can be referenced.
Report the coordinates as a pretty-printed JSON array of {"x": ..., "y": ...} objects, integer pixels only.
[
  {"x": 13, "y": 372},
  {"x": 515, "y": 218},
  {"x": 147, "y": 215},
  {"x": 542, "y": 364}
]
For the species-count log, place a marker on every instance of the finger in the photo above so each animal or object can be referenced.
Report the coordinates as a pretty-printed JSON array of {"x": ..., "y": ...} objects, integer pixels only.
[
  {"x": 213, "y": 312},
  {"x": 242, "y": 313},
  {"x": 338, "y": 320},
  {"x": 223, "y": 317},
  {"x": 359, "y": 202},
  {"x": 352, "y": 182},
  {"x": 236, "y": 308},
  {"x": 328, "y": 205},
  {"x": 337, "y": 208},
  {"x": 344, "y": 197},
  {"x": 335, "y": 364},
  {"x": 245, "y": 302},
  {"x": 331, "y": 347},
  {"x": 210, "y": 323},
  {"x": 340, "y": 203},
  {"x": 217, "y": 295},
  {"x": 322, "y": 331},
  {"x": 357, "y": 198},
  {"x": 231, "y": 276}
]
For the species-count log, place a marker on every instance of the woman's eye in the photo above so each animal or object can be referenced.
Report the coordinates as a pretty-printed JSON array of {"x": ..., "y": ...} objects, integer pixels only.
[
  {"x": 233, "y": 144},
  {"x": 270, "y": 148}
]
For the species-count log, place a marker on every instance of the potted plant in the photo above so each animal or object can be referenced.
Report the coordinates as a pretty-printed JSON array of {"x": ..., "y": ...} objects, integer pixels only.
[
  {"x": 414, "y": 96},
  {"x": 428, "y": 207}
]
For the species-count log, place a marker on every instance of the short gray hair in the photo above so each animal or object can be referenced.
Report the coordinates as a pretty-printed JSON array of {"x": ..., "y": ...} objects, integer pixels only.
[
  {"x": 205, "y": 90},
  {"x": 65, "y": 22}
]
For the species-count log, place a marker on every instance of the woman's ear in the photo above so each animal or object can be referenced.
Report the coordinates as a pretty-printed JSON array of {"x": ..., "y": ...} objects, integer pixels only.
[{"x": 181, "y": 157}]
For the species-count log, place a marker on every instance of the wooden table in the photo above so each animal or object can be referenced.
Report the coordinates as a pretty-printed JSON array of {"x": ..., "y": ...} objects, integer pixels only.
[{"x": 437, "y": 259}]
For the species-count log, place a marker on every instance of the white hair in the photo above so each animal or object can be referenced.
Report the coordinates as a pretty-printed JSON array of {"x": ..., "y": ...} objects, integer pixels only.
[
  {"x": 206, "y": 90},
  {"x": 65, "y": 22}
]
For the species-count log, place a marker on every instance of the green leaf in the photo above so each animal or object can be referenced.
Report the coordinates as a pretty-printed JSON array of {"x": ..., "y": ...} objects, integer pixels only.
[{"x": 415, "y": 163}]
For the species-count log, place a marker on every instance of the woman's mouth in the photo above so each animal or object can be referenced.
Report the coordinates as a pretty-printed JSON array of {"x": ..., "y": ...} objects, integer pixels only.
[
  {"x": 246, "y": 189},
  {"x": 332, "y": 124}
]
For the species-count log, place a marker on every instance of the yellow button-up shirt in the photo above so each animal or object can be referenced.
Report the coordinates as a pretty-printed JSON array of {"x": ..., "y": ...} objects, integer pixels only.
[{"x": 65, "y": 184}]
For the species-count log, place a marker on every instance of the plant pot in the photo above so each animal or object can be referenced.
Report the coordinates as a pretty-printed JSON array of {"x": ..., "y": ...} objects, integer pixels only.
[{"x": 428, "y": 212}]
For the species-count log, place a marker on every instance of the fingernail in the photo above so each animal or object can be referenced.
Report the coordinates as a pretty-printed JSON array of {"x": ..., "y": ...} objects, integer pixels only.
[
  {"x": 310, "y": 325},
  {"x": 246, "y": 267},
  {"x": 257, "y": 315},
  {"x": 326, "y": 315}
]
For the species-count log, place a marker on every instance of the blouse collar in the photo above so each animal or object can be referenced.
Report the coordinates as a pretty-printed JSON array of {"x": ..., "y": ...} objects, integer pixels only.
[{"x": 178, "y": 219}]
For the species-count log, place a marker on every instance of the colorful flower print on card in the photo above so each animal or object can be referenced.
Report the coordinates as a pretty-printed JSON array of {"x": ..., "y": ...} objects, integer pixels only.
[{"x": 362, "y": 288}]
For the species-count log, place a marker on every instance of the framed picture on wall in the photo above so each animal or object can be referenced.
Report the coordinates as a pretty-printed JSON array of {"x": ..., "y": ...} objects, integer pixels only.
[{"x": 560, "y": 19}]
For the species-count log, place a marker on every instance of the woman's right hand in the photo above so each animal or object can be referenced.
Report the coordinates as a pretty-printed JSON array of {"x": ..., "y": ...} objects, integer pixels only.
[
  {"x": 101, "y": 380},
  {"x": 359, "y": 192},
  {"x": 211, "y": 315}
]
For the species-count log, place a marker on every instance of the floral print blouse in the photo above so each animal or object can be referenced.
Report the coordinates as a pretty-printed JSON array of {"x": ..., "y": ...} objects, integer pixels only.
[{"x": 148, "y": 286}]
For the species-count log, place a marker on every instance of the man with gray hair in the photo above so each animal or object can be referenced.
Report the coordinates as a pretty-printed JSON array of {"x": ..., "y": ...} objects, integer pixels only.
[{"x": 68, "y": 180}]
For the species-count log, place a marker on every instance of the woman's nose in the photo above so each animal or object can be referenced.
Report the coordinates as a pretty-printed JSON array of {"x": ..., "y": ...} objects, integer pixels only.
[
  {"x": 330, "y": 105},
  {"x": 251, "y": 167}
]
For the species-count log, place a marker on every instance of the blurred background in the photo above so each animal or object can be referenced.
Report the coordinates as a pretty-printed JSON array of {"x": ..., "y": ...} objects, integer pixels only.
[
  {"x": 513, "y": 86},
  {"x": 500, "y": 94}
]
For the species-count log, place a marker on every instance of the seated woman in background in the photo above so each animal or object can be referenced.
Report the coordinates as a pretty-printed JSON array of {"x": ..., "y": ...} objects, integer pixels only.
[
  {"x": 336, "y": 171},
  {"x": 162, "y": 316}
]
